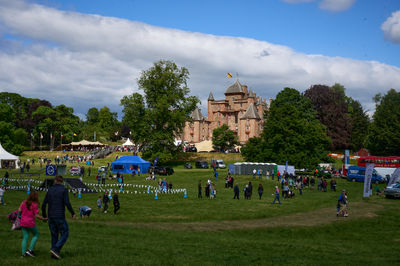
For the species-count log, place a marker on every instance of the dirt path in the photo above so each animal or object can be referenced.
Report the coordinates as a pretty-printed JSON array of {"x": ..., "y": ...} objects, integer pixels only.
[{"x": 314, "y": 218}]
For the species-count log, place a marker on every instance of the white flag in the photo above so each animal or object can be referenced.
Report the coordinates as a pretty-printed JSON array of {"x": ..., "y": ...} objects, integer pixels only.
[
  {"x": 367, "y": 180},
  {"x": 395, "y": 176}
]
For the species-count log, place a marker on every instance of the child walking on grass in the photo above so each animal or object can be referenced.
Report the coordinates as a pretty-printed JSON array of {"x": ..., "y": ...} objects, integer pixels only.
[
  {"x": 99, "y": 203},
  {"x": 29, "y": 210}
]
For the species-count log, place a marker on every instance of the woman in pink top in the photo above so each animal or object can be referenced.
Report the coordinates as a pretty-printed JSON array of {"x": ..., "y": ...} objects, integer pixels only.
[{"x": 29, "y": 211}]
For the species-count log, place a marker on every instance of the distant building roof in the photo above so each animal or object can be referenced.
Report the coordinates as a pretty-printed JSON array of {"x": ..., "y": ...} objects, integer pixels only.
[
  {"x": 251, "y": 113},
  {"x": 235, "y": 88},
  {"x": 196, "y": 115},
  {"x": 211, "y": 97}
]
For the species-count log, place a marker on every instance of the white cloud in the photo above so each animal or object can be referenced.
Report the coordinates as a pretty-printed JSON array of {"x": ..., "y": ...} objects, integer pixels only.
[
  {"x": 391, "y": 27},
  {"x": 336, "y": 5},
  {"x": 88, "y": 60},
  {"x": 331, "y": 5}
]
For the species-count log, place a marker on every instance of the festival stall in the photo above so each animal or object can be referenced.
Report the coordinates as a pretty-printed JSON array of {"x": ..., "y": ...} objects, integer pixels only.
[
  {"x": 128, "y": 142},
  {"x": 127, "y": 164},
  {"x": 7, "y": 160}
]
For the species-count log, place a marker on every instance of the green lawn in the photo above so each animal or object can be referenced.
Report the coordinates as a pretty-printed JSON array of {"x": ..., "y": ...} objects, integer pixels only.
[{"x": 177, "y": 231}]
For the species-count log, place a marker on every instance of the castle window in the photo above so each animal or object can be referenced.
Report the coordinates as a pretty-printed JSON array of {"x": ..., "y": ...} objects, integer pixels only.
[{"x": 219, "y": 123}]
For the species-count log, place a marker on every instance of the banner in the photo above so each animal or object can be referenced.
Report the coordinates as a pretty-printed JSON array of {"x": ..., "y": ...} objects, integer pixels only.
[
  {"x": 395, "y": 176},
  {"x": 367, "y": 180},
  {"x": 346, "y": 158}
]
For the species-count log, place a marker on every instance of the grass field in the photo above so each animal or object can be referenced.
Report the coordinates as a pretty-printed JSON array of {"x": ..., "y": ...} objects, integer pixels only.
[{"x": 174, "y": 230}]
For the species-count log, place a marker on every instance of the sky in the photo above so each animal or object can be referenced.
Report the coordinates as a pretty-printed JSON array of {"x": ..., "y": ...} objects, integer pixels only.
[{"x": 91, "y": 53}]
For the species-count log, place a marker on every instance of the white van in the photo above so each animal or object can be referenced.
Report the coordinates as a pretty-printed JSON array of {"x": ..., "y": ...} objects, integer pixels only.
[{"x": 218, "y": 163}]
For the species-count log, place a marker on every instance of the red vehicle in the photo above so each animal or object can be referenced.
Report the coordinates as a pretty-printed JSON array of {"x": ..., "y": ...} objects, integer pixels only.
[{"x": 388, "y": 162}]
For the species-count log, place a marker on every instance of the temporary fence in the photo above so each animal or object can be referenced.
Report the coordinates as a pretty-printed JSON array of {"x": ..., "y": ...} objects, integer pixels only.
[{"x": 29, "y": 184}]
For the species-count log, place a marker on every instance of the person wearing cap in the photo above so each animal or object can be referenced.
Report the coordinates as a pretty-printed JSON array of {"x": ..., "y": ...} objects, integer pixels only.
[{"x": 276, "y": 195}]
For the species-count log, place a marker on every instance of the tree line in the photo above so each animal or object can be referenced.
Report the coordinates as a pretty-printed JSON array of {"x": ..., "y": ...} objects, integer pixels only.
[
  {"x": 299, "y": 127},
  {"x": 303, "y": 127}
]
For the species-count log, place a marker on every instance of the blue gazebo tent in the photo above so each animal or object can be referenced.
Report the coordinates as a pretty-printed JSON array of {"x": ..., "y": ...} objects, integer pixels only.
[{"x": 128, "y": 164}]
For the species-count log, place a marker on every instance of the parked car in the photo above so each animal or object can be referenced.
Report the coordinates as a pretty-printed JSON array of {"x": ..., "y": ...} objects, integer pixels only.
[
  {"x": 102, "y": 169},
  {"x": 75, "y": 170},
  {"x": 188, "y": 166},
  {"x": 357, "y": 173},
  {"x": 393, "y": 191},
  {"x": 161, "y": 170},
  {"x": 218, "y": 163},
  {"x": 201, "y": 164}
]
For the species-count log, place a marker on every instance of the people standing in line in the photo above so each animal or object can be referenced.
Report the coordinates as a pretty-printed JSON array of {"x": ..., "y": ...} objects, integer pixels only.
[
  {"x": 207, "y": 189},
  {"x": 260, "y": 190},
  {"x": 286, "y": 189},
  {"x": 106, "y": 199},
  {"x": 103, "y": 178},
  {"x": 199, "y": 188},
  {"x": 267, "y": 174},
  {"x": 57, "y": 198},
  {"x": 312, "y": 183},
  {"x": 333, "y": 184},
  {"x": 254, "y": 173},
  {"x": 324, "y": 184},
  {"x": 259, "y": 174},
  {"x": 246, "y": 192},
  {"x": 319, "y": 184},
  {"x": 250, "y": 188},
  {"x": 300, "y": 187},
  {"x": 28, "y": 211},
  {"x": 276, "y": 195},
  {"x": 236, "y": 192},
  {"x": 116, "y": 202}
]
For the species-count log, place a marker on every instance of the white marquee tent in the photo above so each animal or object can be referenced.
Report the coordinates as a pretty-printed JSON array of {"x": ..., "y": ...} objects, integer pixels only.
[
  {"x": 7, "y": 159},
  {"x": 128, "y": 142}
]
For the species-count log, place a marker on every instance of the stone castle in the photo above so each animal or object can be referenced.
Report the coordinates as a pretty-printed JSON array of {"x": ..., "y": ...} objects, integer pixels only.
[{"x": 241, "y": 110}]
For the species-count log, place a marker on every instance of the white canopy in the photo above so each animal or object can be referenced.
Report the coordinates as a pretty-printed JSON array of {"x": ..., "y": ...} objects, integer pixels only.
[
  {"x": 128, "y": 142},
  {"x": 205, "y": 145},
  {"x": 86, "y": 143},
  {"x": 6, "y": 156}
]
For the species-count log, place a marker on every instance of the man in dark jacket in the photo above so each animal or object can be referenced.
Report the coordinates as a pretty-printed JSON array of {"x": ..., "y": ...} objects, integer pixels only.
[
  {"x": 236, "y": 191},
  {"x": 57, "y": 198},
  {"x": 106, "y": 199},
  {"x": 116, "y": 202}
]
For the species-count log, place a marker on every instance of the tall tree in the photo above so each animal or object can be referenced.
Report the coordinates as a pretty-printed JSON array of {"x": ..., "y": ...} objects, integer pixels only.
[
  {"x": 224, "y": 138},
  {"x": 360, "y": 123},
  {"x": 384, "y": 132},
  {"x": 163, "y": 110},
  {"x": 291, "y": 133},
  {"x": 331, "y": 107},
  {"x": 135, "y": 117},
  {"x": 92, "y": 116}
]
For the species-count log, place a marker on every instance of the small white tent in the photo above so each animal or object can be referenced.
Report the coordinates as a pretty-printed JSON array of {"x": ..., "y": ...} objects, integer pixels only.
[
  {"x": 7, "y": 160},
  {"x": 128, "y": 142}
]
